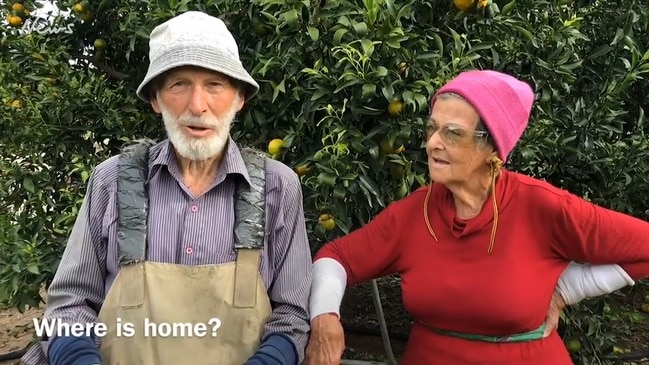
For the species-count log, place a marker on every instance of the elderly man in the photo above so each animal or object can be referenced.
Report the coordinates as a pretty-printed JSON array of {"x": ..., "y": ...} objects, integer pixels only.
[{"x": 192, "y": 270}]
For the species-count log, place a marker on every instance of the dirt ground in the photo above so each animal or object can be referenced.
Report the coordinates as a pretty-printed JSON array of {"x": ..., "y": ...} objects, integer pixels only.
[
  {"x": 360, "y": 321},
  {"x": 16, "y": 331}
]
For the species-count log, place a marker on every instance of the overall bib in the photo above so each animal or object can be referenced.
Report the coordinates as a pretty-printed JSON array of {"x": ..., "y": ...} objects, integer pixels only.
[{"x": 169, "y": 314}]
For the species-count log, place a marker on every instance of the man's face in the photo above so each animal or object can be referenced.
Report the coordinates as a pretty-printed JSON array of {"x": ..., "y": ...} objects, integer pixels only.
[{"x": 197, "y": 107}]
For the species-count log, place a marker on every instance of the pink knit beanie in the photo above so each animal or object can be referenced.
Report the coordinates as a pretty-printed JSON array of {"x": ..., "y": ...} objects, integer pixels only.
[{"x": 503, "y": 102}]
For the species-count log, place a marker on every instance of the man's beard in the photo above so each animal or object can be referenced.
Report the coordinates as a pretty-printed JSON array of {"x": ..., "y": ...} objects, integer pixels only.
[{"x": 199, "y": 148}]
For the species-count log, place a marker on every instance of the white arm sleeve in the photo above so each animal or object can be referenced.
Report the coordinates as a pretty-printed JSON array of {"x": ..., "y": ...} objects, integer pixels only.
[
  {"x": 327, "y": 288},
  {"x": 581, "y": 281}
]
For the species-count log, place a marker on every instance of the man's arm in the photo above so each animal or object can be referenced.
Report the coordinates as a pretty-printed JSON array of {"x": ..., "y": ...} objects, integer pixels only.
[
  {"x": 289, "y": 292},
  {"x": 77, "y": 290}
]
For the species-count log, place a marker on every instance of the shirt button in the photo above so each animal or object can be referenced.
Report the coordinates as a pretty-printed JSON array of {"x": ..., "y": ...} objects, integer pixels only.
[
  {"x": 194, "y": 208},
  {"x": 189, "y": 250}
]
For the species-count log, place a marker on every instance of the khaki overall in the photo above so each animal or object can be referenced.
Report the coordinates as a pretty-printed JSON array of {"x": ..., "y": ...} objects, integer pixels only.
[{"x": 179, "y": 302}]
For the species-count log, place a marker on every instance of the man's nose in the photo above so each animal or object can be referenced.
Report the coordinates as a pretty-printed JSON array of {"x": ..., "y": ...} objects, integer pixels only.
[{"x": 198, "y": 101}]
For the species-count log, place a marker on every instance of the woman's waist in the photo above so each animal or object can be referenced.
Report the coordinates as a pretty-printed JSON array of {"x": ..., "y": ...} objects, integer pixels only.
[
  {"x": 440, "y": 348},
  {"x": 510, "y": 335}
]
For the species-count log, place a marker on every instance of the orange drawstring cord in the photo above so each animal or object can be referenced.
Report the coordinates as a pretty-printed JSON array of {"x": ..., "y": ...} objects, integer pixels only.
[
  {"x": 496, "y": 165},
  {"x": 430, "y": 227}
]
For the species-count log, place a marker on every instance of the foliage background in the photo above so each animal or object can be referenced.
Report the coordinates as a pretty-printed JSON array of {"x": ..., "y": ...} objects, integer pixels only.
[{"x": 328, "y": 71}]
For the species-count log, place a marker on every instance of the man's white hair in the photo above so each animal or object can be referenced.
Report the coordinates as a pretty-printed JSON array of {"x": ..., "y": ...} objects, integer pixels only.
[{"x": 198, "y": 149}]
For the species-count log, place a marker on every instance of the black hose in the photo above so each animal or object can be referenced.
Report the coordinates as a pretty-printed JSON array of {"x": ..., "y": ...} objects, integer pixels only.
[
  {"x": 374, "y": 332},
  {"x": 14, "y": 355},
  {"x": 636, "y": 355}
]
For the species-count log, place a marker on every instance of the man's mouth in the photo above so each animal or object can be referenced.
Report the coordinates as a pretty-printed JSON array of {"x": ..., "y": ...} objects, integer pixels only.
[{"x": 198, "y": 128}]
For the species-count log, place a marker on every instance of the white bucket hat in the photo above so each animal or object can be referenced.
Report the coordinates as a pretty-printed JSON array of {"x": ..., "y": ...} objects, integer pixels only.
[{"x": 195, "y": 39}]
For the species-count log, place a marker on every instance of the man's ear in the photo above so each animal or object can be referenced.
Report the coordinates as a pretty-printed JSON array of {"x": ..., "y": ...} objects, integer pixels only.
[
  {"x": 154, "y": 103},
  {"x": 242, "y": 99}
]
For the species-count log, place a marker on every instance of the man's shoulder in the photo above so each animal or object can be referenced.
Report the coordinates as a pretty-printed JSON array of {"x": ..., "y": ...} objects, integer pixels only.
[
  {"x": 107, "y": 171},
  {"x": 281, "y": 173}
]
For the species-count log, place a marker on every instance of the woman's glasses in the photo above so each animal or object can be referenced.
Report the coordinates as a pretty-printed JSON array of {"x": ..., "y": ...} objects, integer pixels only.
[{"x": 454, "y": 134}]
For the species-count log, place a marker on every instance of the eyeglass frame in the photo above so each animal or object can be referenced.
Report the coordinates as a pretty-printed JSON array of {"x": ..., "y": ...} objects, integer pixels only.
[{"x": 481, "y": 134}]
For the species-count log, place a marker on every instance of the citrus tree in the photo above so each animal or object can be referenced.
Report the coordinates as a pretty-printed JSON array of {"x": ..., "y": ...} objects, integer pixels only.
[{"x": 345, "y": 87}]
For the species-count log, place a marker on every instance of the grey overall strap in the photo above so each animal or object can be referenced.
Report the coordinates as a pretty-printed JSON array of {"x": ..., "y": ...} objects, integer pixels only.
[
  {"x": 250, "y": 203},
  {"x": 249, "y": 228},
  {"x": 133, "y": 202}
]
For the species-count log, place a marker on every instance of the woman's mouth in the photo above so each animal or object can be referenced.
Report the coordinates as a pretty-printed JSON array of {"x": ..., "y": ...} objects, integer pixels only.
[{"x": 437, "y": 161}]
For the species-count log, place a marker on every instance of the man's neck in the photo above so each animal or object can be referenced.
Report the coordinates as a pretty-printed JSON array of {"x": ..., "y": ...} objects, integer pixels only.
[{"x": 199, "y": 175}]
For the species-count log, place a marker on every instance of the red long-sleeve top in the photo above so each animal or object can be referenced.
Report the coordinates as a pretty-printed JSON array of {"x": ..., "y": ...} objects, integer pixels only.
[{"x": 453, "y": 284}]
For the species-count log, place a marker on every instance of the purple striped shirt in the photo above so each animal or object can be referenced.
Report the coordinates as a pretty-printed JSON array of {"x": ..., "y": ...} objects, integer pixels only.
[{"x": 186, "y": 230}]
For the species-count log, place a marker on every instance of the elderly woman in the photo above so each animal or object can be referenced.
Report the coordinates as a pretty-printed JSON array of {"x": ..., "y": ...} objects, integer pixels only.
[{"x": 482, "y": 249}]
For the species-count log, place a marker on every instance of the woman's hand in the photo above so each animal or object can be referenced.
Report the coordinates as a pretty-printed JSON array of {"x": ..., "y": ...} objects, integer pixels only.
[
  {"x": 554, "y": 312},
  {"x": 327, "y": 341}
]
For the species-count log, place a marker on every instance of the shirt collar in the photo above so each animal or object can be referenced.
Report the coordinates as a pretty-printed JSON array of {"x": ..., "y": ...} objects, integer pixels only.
[{"x": 162, "y": 154}]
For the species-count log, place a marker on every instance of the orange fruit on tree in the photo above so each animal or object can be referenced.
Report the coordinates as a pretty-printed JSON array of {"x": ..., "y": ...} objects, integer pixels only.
[
  {"x": 645, "y": 307},
  {"x": 275, "y": 146},
  {"x": 395, "y": 107},
  {"x": 464, "y": 5},
  {"x": 573, "y": 345},
  {"x": 301, "y": 170},
  {"x": 81, "y": 7},
  {"x": 100, "y": 43},
  {"x": 327, "y": 221},
  {"x": 15, "y": 21}
]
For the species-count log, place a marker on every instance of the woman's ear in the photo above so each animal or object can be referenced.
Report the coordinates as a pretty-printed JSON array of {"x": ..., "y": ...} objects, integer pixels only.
[{"x": 494, "y": 162}]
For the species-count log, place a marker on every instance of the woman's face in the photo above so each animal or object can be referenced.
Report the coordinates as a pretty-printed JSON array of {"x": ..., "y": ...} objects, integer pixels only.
[{"x": 457, "y": 153}]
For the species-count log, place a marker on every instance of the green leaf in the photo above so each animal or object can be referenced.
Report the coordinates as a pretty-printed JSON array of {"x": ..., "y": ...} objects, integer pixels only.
[
  {"x": 600, "y": 51},
  {"x": 438, "y": 43},
  {"x": 393, "y": 43},
  {"x": 28, "y": 184},
  {"x": 314, "y": 33},
  {"x": 339, "y": 35},
  {"x": 527, "y": 34},
  {"x": 327, "y": 179},
  {"x": 480, "y": 47},
  {"x": 291, "y": 17},
  {"x": 381, "y": 71},
  {"x": 619, "y": 34},
  {"x": 368, "y": 47},
  {"x": 277, "y": 89},
  {"x": 369, "y": 90},
  {"x": 508, "y": 7},
  {"x": 360, "y": 28}
]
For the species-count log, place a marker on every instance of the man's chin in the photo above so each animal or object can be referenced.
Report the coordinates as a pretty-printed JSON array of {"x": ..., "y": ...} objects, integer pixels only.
[{"x": 199, "y": 149}]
